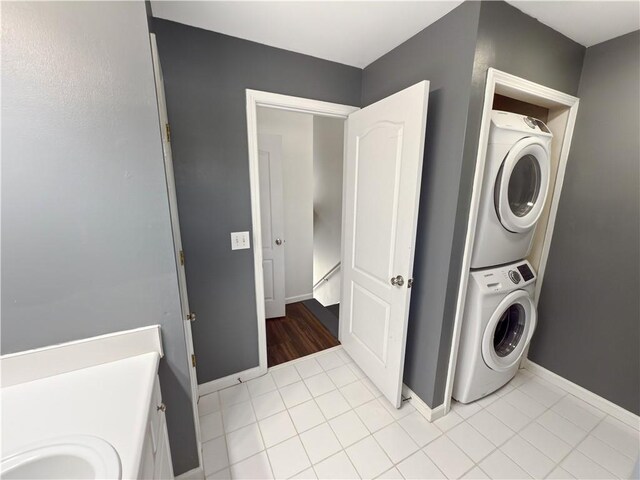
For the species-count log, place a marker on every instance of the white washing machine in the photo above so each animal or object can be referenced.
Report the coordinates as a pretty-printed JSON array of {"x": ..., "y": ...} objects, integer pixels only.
[
  {"x": 514, "y": 189},
  {"x": 498, "y": 323}
]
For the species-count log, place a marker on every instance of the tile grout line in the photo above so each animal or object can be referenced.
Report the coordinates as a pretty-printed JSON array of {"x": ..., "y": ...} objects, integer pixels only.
[
  {"x": 443, "y": 433},
  {"x": 534, "y": 420},
  {"x": 278, "y": 389},
  {"x": 585, "y": 438},
  {"x": 253, "y": 409},
  {"x": 499, "y": 447}
]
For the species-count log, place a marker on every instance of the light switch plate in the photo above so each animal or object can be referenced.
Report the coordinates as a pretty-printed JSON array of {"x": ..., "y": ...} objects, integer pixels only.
[{"x": 240, "y": 240}]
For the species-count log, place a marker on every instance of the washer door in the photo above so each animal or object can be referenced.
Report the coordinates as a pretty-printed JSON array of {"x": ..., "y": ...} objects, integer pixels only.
[
  {"x": 521, "y": 186},
  {"x": 509, "y": 331}
]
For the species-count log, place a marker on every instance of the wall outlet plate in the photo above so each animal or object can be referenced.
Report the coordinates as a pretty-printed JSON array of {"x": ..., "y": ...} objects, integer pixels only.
[{"x": 240, "y": 240}]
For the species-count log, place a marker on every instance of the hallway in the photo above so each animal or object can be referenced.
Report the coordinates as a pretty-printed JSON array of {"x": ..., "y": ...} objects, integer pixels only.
[{"x": 296, "y": 335}]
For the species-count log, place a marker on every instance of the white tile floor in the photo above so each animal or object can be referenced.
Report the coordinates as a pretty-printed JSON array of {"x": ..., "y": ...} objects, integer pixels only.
[{"x": 321, "y": 418}]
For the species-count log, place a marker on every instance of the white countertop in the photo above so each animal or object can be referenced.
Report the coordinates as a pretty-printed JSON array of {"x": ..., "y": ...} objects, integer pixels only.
[{"x": 110, "y": 401}]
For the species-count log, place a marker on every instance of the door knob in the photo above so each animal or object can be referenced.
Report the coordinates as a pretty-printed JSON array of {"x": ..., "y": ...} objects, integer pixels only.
[
  {"x": 397, "y": 281},
  {"x": 278, "y": 241}
]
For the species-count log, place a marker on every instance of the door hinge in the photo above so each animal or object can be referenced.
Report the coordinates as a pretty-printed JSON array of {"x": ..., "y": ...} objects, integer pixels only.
[
  {"x": 410, "y": 283},
  {"x": 191, "y": 317},
  {"x": 193, "y": 360},
  {"x": 167, "y": 128},
  {"x": 181, "y": 257}
]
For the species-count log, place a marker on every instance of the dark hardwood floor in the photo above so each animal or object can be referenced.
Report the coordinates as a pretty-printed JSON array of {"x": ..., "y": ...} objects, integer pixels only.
[{"x": 297, "y": 334}]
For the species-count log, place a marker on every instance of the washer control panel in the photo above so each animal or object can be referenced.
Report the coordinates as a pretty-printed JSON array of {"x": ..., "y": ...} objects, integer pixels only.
[
  {"x": 521, "y": 123},
  {"x": 506, "y": 277},
  {"x": 514, "y": 276},
  {"x": 526, "y": 272}
]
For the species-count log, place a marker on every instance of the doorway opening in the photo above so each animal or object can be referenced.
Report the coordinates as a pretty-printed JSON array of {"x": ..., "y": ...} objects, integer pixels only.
[
  {"x": 300, "y": 163},
  {"x": 383, "y": 151}
]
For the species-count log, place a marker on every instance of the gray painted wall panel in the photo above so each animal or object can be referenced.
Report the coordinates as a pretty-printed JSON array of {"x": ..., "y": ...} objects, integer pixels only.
[
  {"x": 589, "y": 327},
  {"x": 518, "y": 44},
  {"x": 205, "y": 76},
  {"x": 497, "y": 35},
  {"x": 430, "y": 55},
  {"x": 86, "y": 237}
]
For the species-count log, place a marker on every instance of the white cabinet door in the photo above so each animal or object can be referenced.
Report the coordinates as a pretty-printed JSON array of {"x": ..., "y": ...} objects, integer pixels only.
[
  {"x": 272, "y": 223},
  {"x": 163, "y": 468},
  {"x": 383, "y": 168}
]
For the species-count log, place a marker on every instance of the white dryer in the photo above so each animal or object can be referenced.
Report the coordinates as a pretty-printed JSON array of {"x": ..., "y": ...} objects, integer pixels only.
[
  {"x": 499, "y": 320},
  {"x": 514, "y": 190}
]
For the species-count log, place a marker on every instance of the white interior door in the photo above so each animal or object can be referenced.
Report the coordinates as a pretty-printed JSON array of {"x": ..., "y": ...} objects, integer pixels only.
[
  {"x": 383, "y": 168},
  {"x": 175, "y": 227},
  {"x": 272, "y": 223}
]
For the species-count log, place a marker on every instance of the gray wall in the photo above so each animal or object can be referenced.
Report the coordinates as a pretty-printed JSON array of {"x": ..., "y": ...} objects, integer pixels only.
[
  {"x": 443, "y": 54},
  {"x": 205, "y": 76},
  {"x": 589, "y": 327},
  {"x": 86, "y": 236},
  {"x": 518, "y": 44},
  {"x": 479, "y": 36}
]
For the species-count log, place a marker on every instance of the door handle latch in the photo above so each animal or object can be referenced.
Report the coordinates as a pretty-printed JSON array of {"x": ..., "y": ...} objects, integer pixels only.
[
  {"x": 397, "y": 281},
  {"x": 278, "y": 241}
]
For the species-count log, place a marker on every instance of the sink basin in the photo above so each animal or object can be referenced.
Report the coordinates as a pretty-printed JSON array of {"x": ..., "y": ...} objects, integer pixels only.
[{"x": 70, "y": 457}]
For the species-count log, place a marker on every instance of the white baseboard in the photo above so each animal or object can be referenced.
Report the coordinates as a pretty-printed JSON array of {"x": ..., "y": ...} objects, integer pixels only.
[
  {"x": 230, "y": 380},
  {"x": 298, "y": 298},
  {"x": 195, "y": 474},
  {"x": 429, "y": 413},
  {"x": 245, "y": 376},
  {"x": 582, "y": 393}
]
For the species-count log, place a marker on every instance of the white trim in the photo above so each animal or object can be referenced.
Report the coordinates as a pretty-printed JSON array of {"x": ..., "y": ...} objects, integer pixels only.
[
  {"x": 30, "y": 365},
  {"x": 555, "y": 200},
  {"x": 431, "y": 414},
  {"x": 582, "y": 393},
  {"x": 521, "y": 89},
  {"x": 195, "y": 474},
  {"x": 230, "y": 380},
  {"x": 298, "y": 298},
  {"x": 255, "y": 372},
  {"x": 255, "y": 99}
]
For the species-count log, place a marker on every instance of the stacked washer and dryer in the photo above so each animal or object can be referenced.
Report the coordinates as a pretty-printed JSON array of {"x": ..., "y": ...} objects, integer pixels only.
[{"x": 500, "y": 314}]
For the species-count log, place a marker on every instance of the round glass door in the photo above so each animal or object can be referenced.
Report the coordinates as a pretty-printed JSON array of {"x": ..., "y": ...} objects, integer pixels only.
[
  {"x": 509, "y": 331},
  {"x": 524, "y": 185},
  {"x": 521, "y": 186}
]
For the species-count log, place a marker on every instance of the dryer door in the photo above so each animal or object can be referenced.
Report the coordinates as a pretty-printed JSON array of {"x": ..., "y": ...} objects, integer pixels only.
[
  {"x": 521, "y": 185},
  {"x": 509, "y": 331}
]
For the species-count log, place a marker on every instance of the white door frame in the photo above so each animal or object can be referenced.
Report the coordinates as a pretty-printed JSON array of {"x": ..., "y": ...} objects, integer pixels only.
[
  {"x": 521, "y": 89},
  {"x": 177, "y": 241},
  {"x": 255, "y": 99}
]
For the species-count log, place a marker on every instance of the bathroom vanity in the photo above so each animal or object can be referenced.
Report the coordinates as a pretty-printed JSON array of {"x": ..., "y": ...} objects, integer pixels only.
[{"x": 86, "y": 409}]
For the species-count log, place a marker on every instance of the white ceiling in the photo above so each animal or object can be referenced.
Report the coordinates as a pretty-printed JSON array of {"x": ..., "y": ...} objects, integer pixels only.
[
  {"x": 353, "y": 33},
  {"x": 359, "y": 32},
  {"x": 586, "y": 22}
]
